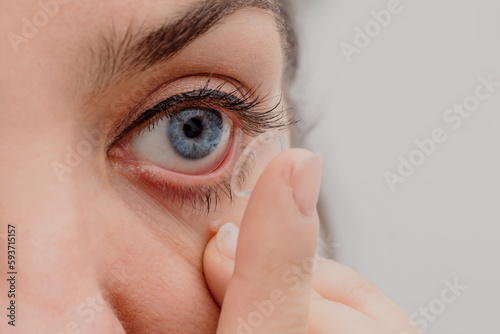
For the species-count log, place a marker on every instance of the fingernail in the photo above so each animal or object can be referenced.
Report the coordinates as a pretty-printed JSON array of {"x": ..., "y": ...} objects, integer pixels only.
[
  {"x": 306, "y": 183},
  {"x": 227, "y": 238}
]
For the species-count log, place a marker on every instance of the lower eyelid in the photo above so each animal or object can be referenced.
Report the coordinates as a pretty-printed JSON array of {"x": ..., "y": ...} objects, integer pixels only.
[{"x": 162, "y": 180}]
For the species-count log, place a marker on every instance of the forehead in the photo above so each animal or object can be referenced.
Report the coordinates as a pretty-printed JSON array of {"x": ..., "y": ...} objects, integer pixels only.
[
  {"x": 30, "y": 18},
  {"x": 64, "y": 43},
  {"x": 80, "y": 34}
]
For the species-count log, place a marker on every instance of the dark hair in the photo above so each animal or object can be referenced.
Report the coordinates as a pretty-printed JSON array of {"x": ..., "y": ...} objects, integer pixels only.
[{"x": 292, "y": 49}]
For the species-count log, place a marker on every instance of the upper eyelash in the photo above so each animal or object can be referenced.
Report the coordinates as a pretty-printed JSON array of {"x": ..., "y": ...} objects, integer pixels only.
[{"x": 253, "y": 117}]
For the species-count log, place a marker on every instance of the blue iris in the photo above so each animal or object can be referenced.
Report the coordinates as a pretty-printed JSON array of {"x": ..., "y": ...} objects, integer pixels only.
[{"x": 195, "y": 133}]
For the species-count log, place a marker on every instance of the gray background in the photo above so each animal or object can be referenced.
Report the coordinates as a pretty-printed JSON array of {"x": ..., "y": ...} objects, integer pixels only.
[{"x": 443, "y": 222}]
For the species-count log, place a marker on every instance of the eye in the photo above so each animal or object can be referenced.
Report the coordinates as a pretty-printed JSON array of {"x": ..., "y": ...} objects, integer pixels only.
[
  {"x": 184, "y": 147},
  {"x": 192, "y": 141}
]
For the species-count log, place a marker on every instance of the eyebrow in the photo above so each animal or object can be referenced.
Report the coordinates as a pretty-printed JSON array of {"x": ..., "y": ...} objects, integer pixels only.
[{"x": 139, "y": 50}]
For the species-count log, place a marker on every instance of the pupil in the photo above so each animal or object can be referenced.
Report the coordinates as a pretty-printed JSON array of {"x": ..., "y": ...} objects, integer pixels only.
[{"x": 193, "y": 128}]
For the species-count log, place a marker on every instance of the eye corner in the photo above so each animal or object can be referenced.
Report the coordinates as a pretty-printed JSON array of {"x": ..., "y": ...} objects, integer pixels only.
[{"x": 120, "y": 151}]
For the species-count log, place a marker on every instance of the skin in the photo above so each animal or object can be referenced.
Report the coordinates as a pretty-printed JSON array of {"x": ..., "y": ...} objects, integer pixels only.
[{"x": 99, "y": 251}]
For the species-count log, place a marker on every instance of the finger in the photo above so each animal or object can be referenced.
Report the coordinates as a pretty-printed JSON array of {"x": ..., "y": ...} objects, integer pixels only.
[
  {"x": 270, "y": 289},
  {"x": 339, "y": 283},
  {"x": 327, "y": 317},
  {"x": 218, "y": 260}
]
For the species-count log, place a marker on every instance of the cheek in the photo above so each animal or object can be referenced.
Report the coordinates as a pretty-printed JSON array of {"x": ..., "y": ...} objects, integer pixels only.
[
  {"x": 153, "y": 278},
  {"x": 166, "y": 296}
]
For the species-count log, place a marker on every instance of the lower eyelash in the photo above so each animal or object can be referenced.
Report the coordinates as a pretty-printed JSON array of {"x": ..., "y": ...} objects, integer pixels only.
[
  {"x": 203, "y": 198},
  {"x": 206, "y": 197},
  {"x": 200, "y": 197}
]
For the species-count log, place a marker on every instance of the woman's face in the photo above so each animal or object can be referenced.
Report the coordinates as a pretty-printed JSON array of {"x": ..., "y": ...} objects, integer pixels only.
[{"x": 118, "y": 132}]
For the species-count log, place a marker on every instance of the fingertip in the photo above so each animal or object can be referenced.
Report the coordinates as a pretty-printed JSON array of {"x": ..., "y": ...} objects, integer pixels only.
[
  {"x": 306, "y": 183},
  {"x": 227, "y": 239},
  {"x": 218, "y": 260}
]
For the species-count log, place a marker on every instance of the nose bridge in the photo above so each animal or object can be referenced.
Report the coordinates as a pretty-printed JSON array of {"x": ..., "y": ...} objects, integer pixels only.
[
  {"x": 46, "y": 218},
  {"x": 56, "y": 282},
  {"x": 31, "y": 193}
]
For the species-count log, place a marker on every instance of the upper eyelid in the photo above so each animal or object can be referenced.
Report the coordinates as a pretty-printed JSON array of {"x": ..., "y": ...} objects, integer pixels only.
[
  {"x": 254, "y": 113},
  {"x": 198, "y": 98},
  {"x": 133, "y": 101}
]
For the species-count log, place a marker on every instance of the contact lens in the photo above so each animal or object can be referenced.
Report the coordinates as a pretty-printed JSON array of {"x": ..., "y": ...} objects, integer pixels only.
[{"x": 254, "y": 160}]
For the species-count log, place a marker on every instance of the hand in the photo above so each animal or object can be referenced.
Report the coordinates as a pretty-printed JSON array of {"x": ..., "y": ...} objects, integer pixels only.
[{"x": 273, "y": 283}]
